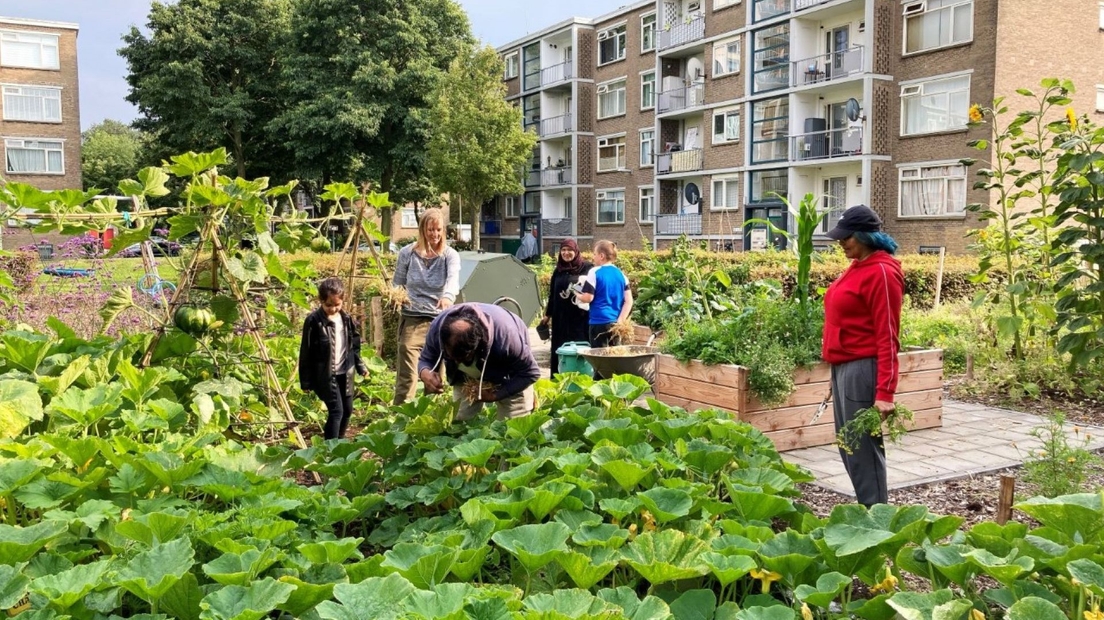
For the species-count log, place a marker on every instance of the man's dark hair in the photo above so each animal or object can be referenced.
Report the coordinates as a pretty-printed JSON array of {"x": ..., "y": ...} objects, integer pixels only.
[
  {"x": 330, "y": 287},
  {"x": 463, "y": 341}
]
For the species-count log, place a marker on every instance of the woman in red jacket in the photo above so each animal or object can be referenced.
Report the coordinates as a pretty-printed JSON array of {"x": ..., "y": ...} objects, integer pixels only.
[{"x": 862, "y": 321}]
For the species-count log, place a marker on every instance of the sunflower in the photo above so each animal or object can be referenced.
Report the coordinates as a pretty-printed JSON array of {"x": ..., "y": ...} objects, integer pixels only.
[
  {"x": 1071, "y": 118},
  {"x": 976, "y": 115}
]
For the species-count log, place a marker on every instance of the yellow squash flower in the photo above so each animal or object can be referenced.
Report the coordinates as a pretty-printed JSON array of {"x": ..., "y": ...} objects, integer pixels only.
[
  {"x": 976, "y": 615},
  {"x": 889, "y": 584},
  {"x": 1095, "y": 614},
  {"x": 1072, "y": 118},
  {"x": 765, "y": 577},
  {"x": 806, "y": 613},
  {"x": 976, "y": 115}
]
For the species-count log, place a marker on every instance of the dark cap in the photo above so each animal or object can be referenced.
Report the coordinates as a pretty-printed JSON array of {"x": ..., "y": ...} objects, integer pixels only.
[{"x": 859, "y": 218}]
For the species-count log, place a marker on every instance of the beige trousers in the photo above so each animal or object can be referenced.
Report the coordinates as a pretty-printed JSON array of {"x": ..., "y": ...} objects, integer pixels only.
[
  {"x": 412, "y": 336},
  {"x": 515, "y": 406}
]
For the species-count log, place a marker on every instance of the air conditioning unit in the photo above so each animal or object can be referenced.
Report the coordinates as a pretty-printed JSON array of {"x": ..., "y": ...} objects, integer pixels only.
[{"x": 603, "y": 89}]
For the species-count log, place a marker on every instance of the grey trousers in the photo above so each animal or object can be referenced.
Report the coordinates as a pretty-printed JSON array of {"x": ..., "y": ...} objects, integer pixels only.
[
  {"x": 515, "y": 406},
  {"x": 853, "y": 389}
]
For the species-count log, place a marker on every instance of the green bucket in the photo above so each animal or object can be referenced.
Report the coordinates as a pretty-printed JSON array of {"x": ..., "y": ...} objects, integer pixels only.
[{"x": 571, "y": 361}]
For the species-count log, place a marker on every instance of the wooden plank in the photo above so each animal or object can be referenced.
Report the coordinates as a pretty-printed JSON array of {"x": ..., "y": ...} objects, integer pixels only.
[
  {"x": 824, "y": 432},
  {"x": 376, "y": 318},
  {"x": 813, "y": 393},
  {"x": 641, "y": 334},
  {"x": 713, "y": 393},
  {"x": 724, "y": 374},
  {"x": 797, "y": 417}
]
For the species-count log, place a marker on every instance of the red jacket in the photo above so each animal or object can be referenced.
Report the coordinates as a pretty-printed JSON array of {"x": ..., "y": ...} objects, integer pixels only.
[{"x": 862, "y": 318}]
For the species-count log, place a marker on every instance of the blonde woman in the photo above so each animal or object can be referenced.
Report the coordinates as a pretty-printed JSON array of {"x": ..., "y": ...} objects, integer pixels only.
[{"x": 430, "y": 271}]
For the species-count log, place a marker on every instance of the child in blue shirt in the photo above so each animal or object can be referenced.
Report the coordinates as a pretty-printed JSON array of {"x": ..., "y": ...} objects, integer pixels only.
[{"x": 608, "y": 293}]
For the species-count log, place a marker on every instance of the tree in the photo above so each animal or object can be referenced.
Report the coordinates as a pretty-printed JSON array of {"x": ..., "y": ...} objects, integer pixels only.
[
  {"x": 110, "y": 152},
  {"x": 478, "y": 143},
  {"x": 209, "y": 75},
  {"x": 360, "y": 76}
]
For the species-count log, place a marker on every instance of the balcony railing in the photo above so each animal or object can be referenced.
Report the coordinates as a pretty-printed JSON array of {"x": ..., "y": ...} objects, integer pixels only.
[
  {"x": 826, "y": 144},
  {"x": 682, "y": 33},
  {"x": 688, "y": 224},
  {"x": 679, "y": 161},
  {"x": 556, "y": 176},
  {"x": 681, "y": 98},
  {"x": 827, "y": 67},
  {"x": 556, "y": 227},
  {"x": 490, "y": 227},
  {"x": 557, "y": 73},
  {"x": 801, "y": 5},
  {"x": 556, "y": 125}
]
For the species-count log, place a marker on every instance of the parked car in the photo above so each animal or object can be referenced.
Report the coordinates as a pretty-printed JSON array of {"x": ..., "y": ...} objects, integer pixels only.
[
  {"x": 391, "y": 247},
  {"x": 161, "y": 247}
]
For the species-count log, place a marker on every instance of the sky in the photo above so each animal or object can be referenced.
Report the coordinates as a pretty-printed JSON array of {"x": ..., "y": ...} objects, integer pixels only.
[{"x": 103, "y": 87}]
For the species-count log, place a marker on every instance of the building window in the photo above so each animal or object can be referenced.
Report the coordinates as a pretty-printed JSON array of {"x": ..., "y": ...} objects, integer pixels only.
[
  {"x": 611, "y": 45},
  {"x": 771, "y": 58},
  {"x": 511, "y": 66},
  {"x": 511, "y": 208},
  {"x": 932, "y": 190},
  {"x": 1100, "y": 97},
  {"x": 766, "y": 9},
  {"x": 531, "y": 203},
  {"x": 726, "y": 125},
  {"x": 611, "y": 207},
  {"x": 409, "y": 218},
  {"x": 647, "y": 147},
  {"x": 720, "y": 4},
  {"x": 1102, "y": 15},
  {"x": 32, "y": 103},
  {"x": 726, "y": 57},
  {"x": 611, "y": 153},
  {"x": 611, "y": 99},
  {"x": 31, "y": 50},
  {"x": 647, "y": 204},
  {"x": 770, "y": 129},
  {"x": 769, "y": 185},
  {"x": 932, "y": 24},
  {"x": 35, "y": 156},
  {"x": 936, "y": 105},
  {"x": 647, "y": 90},
  {"x": 726, "y": 193},
  {"x": 647, "y": 33},
  {"x": 531, "y": 66}
]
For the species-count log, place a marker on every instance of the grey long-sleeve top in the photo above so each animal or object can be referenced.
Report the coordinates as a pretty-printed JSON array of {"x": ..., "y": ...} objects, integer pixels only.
[{"x": 427, "y": 280}]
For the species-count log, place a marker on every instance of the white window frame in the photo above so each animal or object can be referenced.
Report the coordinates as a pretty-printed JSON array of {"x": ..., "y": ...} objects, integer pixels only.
[
  {"x": 720, "y": 4},
  {"x": 651, "y": 140},
  {"x": 19, "y": 92},
  {"x": 914, "y": 91},
  {"x": 510, "y": 208},
  {"x": 645, "y": 25},
  {"x": 725, "y": 137},
  {"x": 725, "y": 181},
  {"x": 643, "y": 101},
  {"x": 920, "y": 9},
  {"x": 611, "y": 89},
  {"x": 723, "y": 47},
  {"x": 646, "y": 216},
  {"x": 14, "y": 36},
  {"x": 21, "y": 143},
  {"x": 1100, "y": 97},
  {"x": 611, "y": 141},
  {"x": 1101, "y": 18},
  {"x": 606, "y": 195},
  {"x": 409, "y": 218},
  {"x": 918, "y": 168},
  {"x": 515, "y": 57},
  {"x": 618, "y": 31}
]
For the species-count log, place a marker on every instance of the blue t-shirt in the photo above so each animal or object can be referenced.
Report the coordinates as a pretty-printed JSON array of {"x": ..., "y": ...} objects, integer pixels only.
[{"x": 608, "y": 285}]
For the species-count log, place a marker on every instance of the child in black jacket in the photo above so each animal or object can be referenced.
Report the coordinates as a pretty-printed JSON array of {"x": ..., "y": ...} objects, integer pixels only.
[{"x": 329, "y": 354}]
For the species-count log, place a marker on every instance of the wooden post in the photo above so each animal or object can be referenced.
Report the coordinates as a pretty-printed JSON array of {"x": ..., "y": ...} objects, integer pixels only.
[
  {"x": 1007, "y": 494},
  {"x": 969, "y": 366},
  {"x": 376, "y": 316},
  {"x": 939, "y": 275}
]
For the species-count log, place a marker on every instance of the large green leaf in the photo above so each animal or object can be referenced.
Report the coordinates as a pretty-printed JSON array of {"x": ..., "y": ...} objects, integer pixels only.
[
  {"x": 85, "y": 407},
  {"x": 69, "y": 375},
  {"x": 20, "y": 405},
  {"x": 568, "y": 604},
  {"x": 727, "y": 568},
  {"x": 306, "y": 595},
  {"x": 753, "y": 504},
  {"x": 668, "y": 555},
  {"x": 1089, "y": 573},
  {"x": 600, "y": 535},
  {"x": 424, "y": 566},
  {"x": 788, "y": 554},
  {"x": 547, "y": 497},
  {"x": 534, "y": 545},
  {"x": 251, "y": 602},
  {"x": 938, "y": 605},
  {"x": 150, "y": 574},
  {"x": 13, "y": 585},
  {"x": 380, "y": 598},
  {"x": 520, "y": 475},
  {"x": 331, "y": 551},
  {"x": 650, "y": 608},
  {"x": 476, "y": 452},
  {"x": 621, "y": 431},
  {"x": 240, "y": 568},
  {"x": 694, "y": 605},
  {"x": 121, "y": 299},
  {"x": 626, "y": 472},
  {"x": 706, "y": 458},
  {"x": 182, "y": 600},
  {"x": 1079, "y": 517},
  {"x": 249, "y": 268},
  {"x": 828, "y": 587},
  {"x": 25, "y": 350},
  {"x": 1004, "y": 569},
  {"x": 66, "y": 588},
  {"x": 1034, "y": 608},
  {"x": 774, "y": 612},
  {"x": 444, "y": 601},
  {"x": 667, "y": 504},
  {"x": 19, "y": 544},
  {"x": 588, "y": 567},
  {"x": 16, "y": 473}
]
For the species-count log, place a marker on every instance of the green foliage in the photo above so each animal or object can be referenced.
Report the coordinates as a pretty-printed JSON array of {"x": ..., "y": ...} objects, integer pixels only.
[
  {"x": 869, "y": 422},
  {"x": 683, "y": 287},
  {"x": 1059, "y": 467},
  {"x": 110, "y": 152}
]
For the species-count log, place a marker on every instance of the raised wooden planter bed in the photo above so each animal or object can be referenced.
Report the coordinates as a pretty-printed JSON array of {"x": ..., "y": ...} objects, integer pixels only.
[{"x": 694, "y": 385}]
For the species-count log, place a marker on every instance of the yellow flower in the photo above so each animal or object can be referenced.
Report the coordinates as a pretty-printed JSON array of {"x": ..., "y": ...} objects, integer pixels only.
[
  {"x": 766, "y": 577},
  {"x": 889, "y": 584},
  {"x": 806, "y": 613},
  {"x": 976, "y": 115},
  {"x": 1095, "y": 614},
  {"x": 1072, "y": 118},
  {"x": 1071, "y": 460},
  {"x": 976, "y": 615}
]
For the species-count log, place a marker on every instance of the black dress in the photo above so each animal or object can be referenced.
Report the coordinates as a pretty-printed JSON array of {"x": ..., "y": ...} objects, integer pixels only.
[{"x": 570, "y": 323}]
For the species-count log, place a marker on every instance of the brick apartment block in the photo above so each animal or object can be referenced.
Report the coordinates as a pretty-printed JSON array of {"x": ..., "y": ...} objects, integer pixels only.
[{"x": 673, "y": 117}]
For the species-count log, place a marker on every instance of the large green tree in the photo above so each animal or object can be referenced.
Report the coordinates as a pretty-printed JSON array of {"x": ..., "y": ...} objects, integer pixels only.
[
  {"x": 360, "y": 76},
  {"x": 478, "y": 144},
  {"x": 209, "y": 74},
  {"x": 110, "y": 152}
]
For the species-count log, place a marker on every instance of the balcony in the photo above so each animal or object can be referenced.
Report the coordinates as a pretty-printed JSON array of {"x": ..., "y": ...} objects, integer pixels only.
[
  {"x": 829, "y": 144},
  {"x": 679, "y": 161},
  {"x": 827, "y": 67},
  {"x": 681, "y": 98},
  {"x": 556, "y": 227},
  {"x": 557, "y": 125},
  {"x": 532, "y": 178},
  {"x": 490, "y": 227},
  {"x": 688, "y": 224},
  {"x": 556, "y": 73},
  {"x": 674, "y": 35},
  {"x": 801, "y": 5},
  {"x": 560, "y": 175}
]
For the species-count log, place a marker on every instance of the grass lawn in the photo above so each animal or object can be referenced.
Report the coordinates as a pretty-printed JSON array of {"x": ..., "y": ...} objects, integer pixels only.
[{"x": 110, "y": 273}]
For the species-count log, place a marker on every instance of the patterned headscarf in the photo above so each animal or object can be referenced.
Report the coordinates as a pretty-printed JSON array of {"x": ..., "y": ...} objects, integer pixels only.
[{"x": 576, "y": 264}]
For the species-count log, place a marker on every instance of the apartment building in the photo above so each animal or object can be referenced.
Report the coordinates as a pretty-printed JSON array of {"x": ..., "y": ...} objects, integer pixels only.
[
  {"x": 39, "y": 111},
  {"x": 693, "y": 117}
]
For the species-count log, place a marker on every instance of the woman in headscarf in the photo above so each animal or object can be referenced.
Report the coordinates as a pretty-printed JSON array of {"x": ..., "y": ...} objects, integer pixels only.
[{"x": 570, "y": 321}]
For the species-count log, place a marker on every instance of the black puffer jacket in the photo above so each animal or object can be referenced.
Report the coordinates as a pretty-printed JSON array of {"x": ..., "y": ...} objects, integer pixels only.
[{"x": 315, "y": 365}]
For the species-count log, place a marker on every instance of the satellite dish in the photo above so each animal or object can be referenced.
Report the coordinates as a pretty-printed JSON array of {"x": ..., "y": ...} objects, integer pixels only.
[
  {"x": 853, "y": 110},
  {"x": 692, "y": 193}
]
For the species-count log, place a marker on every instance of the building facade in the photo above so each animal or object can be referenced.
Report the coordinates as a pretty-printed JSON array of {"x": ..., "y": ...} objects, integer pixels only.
[
  {"x": 694, "y": 116},
  {"x": 40, "y": 108}
]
